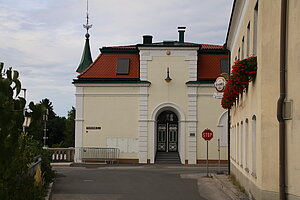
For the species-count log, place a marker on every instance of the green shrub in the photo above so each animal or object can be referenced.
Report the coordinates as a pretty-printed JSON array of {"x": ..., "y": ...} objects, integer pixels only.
[{"x": 18, "y": 149}]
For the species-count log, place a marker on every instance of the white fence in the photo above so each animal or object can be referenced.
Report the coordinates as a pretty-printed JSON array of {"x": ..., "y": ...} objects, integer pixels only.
[
  {"x": 107, "y": 155},
  {"x": 62, "y": 154}
]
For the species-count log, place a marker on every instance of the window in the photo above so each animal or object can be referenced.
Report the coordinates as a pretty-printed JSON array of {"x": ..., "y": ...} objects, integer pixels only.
[
  {"x": 255, "y": 29},
  {"x": 248, "y": 40},
  {"x": 242, "y": 144},
  {"x": 123, "y": 66},
  {"x": 243, "y": 46},
  {"x": 234, "y": 143},
  {"x": 254, "y": 146},
  {"x": 231, "y": 142},
  {"x": 225, "y": 65},
  {"x": 238, "y": 144},
  {"x": 246, "y": 145}
]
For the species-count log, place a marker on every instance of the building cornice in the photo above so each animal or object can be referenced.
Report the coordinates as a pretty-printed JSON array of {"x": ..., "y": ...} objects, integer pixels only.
[
  {"x": 174, "y": 48},
  {"x": 118, "y": 51},
  {"x": 207, "y": 82},
  {"x": 213, "y": 51},
  {"x": 109, "y": 82}
]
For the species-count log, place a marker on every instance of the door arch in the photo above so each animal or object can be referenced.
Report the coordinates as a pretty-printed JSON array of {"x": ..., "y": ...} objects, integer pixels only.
[
  {"x": 181, "y": 129},
  {"x": 167, "y": 132}
]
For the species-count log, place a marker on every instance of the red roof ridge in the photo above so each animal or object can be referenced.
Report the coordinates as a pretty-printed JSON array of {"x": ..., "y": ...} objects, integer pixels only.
[
  {"x": 211, "y": 46},
  {"x": 203, "y": 46},
  {"x": 121, "y": 47},
  {"x": 207, "y": 46}
]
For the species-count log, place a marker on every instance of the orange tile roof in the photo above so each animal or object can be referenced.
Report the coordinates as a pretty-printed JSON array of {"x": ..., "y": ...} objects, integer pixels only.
[
  {"x": 209, "y": 66},
  {"x": 105, "y": 66}
]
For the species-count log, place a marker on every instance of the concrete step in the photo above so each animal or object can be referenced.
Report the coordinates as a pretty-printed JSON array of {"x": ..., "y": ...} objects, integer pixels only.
[
  {"x": 167, "y": 157},
  {"x": 167, "y": 162}
]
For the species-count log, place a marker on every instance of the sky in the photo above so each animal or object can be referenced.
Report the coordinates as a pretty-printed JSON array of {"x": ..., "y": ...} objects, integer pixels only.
[{"x": 44, "y": 39}]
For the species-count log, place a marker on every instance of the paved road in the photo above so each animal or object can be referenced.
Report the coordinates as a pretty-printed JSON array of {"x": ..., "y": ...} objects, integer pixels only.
[{"x": 146, "y": 182}]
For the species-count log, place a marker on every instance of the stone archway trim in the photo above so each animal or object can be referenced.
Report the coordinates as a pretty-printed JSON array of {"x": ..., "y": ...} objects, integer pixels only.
[{"x": 181, "y": 130}]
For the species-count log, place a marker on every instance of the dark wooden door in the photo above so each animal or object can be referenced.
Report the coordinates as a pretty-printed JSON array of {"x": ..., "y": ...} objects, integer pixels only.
[{"x": 167, "y": 137}]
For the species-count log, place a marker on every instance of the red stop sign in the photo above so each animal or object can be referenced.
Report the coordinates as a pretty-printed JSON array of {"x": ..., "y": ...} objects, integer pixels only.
[{"x": 207, "y": 134}]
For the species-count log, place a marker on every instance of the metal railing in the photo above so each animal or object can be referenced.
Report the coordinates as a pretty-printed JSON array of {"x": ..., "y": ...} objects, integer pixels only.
[
  {"x": 62, "y": 154},
  {"x": 37, "y": 162},
  {"x": 107, "y": 155}
]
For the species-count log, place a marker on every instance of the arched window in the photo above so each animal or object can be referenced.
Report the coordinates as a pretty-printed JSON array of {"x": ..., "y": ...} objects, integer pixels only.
[
  {"x": 223, "y": 129},
  {"x": 167, "y": 116}
]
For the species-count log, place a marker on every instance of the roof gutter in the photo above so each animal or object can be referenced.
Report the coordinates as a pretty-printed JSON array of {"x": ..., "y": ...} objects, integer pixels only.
[
  {"x": 231, "y": 16},
  {"x": 280, "y": 103},
  {"x": 228, "y": 122}
]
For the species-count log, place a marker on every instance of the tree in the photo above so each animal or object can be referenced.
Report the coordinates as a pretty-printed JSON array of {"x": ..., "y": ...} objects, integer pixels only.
[
  {"x": 36, "y": 126},
  {"x": 48, "y": 104},
  {"x": 60, "y": 131},
  {"x": 55, "y": 126},
  {"x": 69, "y": 133}
]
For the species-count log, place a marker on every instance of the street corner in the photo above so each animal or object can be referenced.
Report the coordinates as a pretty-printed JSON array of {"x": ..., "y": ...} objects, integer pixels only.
[
  {"x": 224, "y": 182},
  {"x": 208, "y": 187}
]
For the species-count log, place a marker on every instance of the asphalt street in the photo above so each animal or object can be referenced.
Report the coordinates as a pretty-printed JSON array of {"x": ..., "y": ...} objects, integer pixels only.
[{"x": 145, "y": 182}]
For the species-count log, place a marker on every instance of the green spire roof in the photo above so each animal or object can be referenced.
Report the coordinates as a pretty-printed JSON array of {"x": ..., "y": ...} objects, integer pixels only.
[{"x": 86, "y": 59}]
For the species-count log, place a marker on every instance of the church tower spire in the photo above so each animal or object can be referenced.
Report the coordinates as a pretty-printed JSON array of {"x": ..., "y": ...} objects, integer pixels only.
[{"x": 86, "y": 59}]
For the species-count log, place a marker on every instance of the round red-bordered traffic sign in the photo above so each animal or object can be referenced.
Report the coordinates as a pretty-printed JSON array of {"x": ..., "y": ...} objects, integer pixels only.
[
  {"x": 220, "y": 84},
  {"x": 207, "y": 134}
]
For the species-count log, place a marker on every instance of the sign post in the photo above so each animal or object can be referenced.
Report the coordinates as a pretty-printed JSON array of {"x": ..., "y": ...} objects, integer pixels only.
[{"x": 207, "y": 135}]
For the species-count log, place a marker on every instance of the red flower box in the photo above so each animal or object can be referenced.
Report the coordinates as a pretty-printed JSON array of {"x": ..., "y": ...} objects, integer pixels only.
[{"x": 242, "y": 73}]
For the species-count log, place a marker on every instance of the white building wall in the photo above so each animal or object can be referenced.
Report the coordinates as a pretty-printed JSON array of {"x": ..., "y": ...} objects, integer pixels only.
[
  {"x": 78, "y": 123},
  {"x": 114, "y": 108}
]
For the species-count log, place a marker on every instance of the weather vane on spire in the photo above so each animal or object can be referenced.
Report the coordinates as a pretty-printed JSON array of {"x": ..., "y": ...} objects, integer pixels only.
[{"x": 87, "y": 26}]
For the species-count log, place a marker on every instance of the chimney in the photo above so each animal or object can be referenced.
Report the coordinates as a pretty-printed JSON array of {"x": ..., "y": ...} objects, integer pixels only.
[
  {"x": 147, "y": 39},
  {"x": 181, "y": 31}
]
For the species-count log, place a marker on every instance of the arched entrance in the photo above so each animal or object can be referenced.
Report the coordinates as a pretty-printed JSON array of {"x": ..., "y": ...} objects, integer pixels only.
[
  {"x": 160, "y": 118},
  {"x": 167, "y": 132}
]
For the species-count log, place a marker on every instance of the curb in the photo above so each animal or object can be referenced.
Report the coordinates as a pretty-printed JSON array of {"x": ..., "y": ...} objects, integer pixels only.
[
  {"x": 228, "y": 187},
  {"x": 49, "y": 191},
  {"x": 64, "y": 164}
]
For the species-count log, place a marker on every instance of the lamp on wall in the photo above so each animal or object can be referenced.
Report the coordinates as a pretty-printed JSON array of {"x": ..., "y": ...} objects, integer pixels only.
[{"x": 168, "y": 79}]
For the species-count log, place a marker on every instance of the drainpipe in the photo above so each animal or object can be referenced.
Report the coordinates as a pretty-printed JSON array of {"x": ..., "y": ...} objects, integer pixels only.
[
  {"x": 229, "y": 121},
  {"x": 280, "y": 103},
  {"x": 228, "y": 142},
  {"x": 228, "y": 112}
]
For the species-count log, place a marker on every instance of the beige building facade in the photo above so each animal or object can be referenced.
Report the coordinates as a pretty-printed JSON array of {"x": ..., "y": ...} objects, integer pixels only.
[
  {"x": 142, "y": 112},
  {"x": 256, "y": 29}
]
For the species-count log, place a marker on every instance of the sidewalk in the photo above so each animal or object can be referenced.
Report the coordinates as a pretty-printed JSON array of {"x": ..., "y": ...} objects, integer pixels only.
[
  {"x": 216, "y": 187},
  {"x": 229, "y": 188}
]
